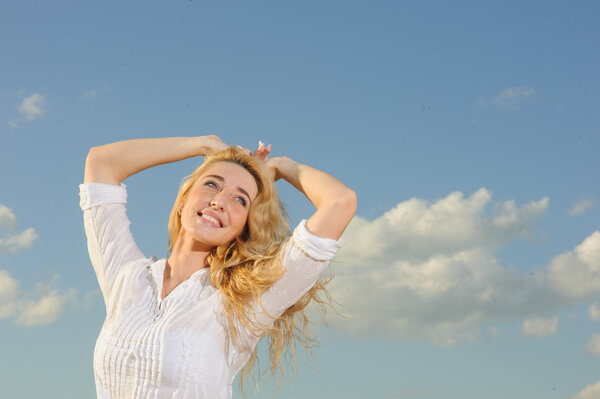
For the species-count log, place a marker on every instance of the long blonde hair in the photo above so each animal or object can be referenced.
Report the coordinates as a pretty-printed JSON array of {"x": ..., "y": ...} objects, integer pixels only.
[{"x": 249, "y": 264}]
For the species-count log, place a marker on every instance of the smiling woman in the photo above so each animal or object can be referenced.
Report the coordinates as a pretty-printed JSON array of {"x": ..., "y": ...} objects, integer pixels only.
[{"x": 184, "y": 327}]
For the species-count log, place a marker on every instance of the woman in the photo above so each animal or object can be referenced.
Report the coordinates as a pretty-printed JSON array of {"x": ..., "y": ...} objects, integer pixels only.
[{"x": 183, "y": 327}]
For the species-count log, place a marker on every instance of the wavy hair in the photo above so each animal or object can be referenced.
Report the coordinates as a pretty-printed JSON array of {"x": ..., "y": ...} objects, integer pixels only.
[{"x": 248, "y": 265}]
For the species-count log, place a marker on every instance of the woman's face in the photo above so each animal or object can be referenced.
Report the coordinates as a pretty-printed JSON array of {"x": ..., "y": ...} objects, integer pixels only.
[{"x": 216, "y": 208}]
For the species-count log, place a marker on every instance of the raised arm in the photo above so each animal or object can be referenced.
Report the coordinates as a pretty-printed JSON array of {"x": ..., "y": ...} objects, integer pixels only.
[
  {"x": 335, "y": 202},
  {"x": 113, "y": 163}
]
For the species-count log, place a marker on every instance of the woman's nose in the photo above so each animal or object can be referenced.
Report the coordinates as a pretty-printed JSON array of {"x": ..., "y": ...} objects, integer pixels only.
[{"x": 218, "y": 201}]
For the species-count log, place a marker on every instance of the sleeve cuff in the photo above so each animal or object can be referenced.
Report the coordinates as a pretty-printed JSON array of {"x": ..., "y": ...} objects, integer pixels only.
[
  {"x": 95, "y": 194},
  {"x": 318, "y": 248}
]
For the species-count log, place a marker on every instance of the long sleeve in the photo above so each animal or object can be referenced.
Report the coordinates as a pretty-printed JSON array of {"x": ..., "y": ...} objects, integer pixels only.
[
  {"x": 305, "y": 256},
  {"x": 110, "y": 243}
]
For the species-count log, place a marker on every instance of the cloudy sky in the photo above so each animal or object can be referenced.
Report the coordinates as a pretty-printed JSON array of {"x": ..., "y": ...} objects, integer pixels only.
[{"x": 470, "y": 132}]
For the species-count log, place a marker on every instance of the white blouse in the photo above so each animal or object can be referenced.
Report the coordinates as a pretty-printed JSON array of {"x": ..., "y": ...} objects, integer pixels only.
[{"x": 176, "y": 347}]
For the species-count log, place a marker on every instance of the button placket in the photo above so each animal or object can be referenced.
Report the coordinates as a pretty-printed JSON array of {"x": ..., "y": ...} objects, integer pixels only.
[{"x": 160, "y": 310}]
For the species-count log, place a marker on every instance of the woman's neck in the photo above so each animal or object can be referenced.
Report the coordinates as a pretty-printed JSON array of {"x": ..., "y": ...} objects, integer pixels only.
[{"x": 186, "y": 258}]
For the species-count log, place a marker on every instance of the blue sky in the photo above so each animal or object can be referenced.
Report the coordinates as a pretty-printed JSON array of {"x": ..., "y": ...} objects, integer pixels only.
[{"x": 469, "y": 130}]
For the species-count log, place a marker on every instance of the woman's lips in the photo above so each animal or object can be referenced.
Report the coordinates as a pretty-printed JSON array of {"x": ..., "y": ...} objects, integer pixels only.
[{"x": 215, "y": 221}]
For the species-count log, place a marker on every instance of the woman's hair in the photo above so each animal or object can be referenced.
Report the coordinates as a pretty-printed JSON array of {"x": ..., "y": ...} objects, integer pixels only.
[{"x": 248, "y": 265}]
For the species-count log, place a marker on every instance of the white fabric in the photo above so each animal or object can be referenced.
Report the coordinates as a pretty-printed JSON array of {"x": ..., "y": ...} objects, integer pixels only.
[{"x": 174, "y": 347}]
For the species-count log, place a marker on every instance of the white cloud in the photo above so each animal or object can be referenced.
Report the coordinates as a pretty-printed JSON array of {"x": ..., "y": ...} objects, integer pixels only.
[
  {"x": 9, "y": 291},
  {"x": 576, "y": 274},
  {"x": 44, "y": 310},
  {"x": 41, "y": 306},
  {"x": 13, "y": 241},
  {"x": 89, "y": 298},
  {"x": 416, "y": 230},
  {"x": 9, "y": 287},
  {"x": 580, "y": 207},
  {"x": 90, "y": 94},
  {"x": 94, "y": 93},
  {"x": 516, "y": 92},
  {"x": 540, "y": 327},
  {"x": 589, "y": 392},
  {"x": 33, "y": 107},
  {"x": 44, "y": 304},
  {"x": 512, "y": 96},
  {"x": 8, "y": 219},
  {"x": 430, "y": 270},
  {"x": 593, "y": 345},
  {"x": 594, "y": 312}
]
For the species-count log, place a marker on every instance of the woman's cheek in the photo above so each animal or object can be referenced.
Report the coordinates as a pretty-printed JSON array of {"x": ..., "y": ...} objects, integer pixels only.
[{"x": 241, "y": 219}]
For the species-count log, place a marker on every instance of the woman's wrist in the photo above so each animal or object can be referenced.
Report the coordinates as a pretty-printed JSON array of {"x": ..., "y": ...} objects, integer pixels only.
[
  {"x": 282, "y": 168},
  {"x": 288, "y": 168}
]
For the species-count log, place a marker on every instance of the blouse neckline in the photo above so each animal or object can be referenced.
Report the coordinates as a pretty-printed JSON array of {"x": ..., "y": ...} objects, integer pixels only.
[{"x": 186, "y": 290}]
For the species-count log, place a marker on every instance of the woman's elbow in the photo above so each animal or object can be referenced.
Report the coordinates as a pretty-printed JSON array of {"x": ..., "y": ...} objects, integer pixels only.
[
  {"x": 93, "y": 156},
  {"x": 96, "y": 168},
  {"x": 348, "y": 201}
]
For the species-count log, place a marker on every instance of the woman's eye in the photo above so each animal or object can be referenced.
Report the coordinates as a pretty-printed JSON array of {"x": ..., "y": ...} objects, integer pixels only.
[
  {"x": 211, "y": 184},
  {"x": 242, "y": 201}
]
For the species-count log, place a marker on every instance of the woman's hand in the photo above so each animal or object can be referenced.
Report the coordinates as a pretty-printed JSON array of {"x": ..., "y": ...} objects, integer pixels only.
[
  {"x": 274, "y": 166},
  {"x": 212, "y": 144},
  {"x": 262, "y": 153},
  {"x": 279, "y": 167}
]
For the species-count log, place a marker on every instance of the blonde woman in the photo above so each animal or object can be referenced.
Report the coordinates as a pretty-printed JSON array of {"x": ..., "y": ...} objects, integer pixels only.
[{"x": 184, "y": 326}]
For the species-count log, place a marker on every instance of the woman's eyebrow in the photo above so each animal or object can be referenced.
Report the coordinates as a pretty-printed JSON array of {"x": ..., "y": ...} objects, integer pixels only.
[
  {"x": 245, "y": 193},
  {"x": 220, "y": 178}
]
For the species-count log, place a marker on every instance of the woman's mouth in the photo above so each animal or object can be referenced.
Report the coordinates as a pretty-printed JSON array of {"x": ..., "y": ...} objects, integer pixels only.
[{"x": 211, "y": 219}]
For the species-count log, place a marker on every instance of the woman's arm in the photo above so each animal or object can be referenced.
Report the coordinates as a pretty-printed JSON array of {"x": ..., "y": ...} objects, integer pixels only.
[
  {"x": 113, "y": 163},
  {"x": 335, "y": 202}
]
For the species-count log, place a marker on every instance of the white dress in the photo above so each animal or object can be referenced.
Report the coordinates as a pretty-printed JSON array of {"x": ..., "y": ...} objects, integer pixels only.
[{"x": 174, "y": 347}]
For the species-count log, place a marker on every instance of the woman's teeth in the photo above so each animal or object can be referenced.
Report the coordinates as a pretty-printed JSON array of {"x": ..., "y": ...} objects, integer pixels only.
[{"x": 211, "y": 219}]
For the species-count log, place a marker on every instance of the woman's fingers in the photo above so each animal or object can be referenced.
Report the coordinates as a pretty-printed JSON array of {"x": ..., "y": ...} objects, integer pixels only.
[{"x": 262, "y": 152}]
